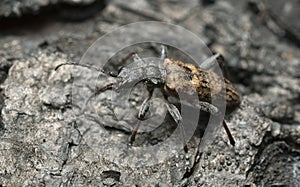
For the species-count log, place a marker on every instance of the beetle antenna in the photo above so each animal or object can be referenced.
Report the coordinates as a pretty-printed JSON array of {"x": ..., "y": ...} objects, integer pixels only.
[
  {"x": 86, "y": 66},
  {"x": 76, "y": 64}
]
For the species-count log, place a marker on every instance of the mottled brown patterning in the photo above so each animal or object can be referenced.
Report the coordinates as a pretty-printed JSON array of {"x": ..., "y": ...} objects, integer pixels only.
[{"x": 187, "y": 78}]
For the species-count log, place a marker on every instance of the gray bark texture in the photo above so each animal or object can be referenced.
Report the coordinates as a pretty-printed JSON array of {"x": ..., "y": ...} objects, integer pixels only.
[{"x": 46, "y": 135}]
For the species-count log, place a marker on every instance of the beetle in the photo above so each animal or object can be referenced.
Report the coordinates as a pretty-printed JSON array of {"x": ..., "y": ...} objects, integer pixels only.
[{"x": 174, "y": 76}]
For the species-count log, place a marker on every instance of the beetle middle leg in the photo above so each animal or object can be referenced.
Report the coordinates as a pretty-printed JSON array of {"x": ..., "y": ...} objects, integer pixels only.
[{"x": 174, "y": 112}]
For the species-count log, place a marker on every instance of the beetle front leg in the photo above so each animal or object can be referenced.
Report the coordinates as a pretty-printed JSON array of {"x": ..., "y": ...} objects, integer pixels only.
[
  {"x": 141, "y": 116},
  {"x": 144, "y": 108}
]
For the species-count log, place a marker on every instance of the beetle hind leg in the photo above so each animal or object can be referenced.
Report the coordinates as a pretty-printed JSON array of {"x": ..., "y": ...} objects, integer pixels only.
[
  {"x": 209, "y": 63},
  {"x": 230, "y": 137},
  {"x": 207, "y": 107}
]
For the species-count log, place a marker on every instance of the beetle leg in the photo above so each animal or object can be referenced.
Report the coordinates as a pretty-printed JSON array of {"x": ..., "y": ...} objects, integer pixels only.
[
  {"x": 141, "y": 116},
  {"x": 222, "y": 64},
  {"x": 207, "y": 107},
  {"x": 209, "y": 63},
  {"x": 164, "y": 52},
  {"x": 144, "y": 108},
  {"x": 230, "y": 137},
  {"x": 174, "y": 112},
  {"x": 202, "y": 105}
]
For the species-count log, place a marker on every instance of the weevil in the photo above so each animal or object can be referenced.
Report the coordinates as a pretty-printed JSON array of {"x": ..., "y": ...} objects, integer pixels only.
[{"x": 175, "y": 76}]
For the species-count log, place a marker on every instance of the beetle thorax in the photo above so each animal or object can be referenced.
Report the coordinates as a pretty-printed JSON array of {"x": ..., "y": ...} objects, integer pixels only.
[{"x": 148, "y": 71}]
